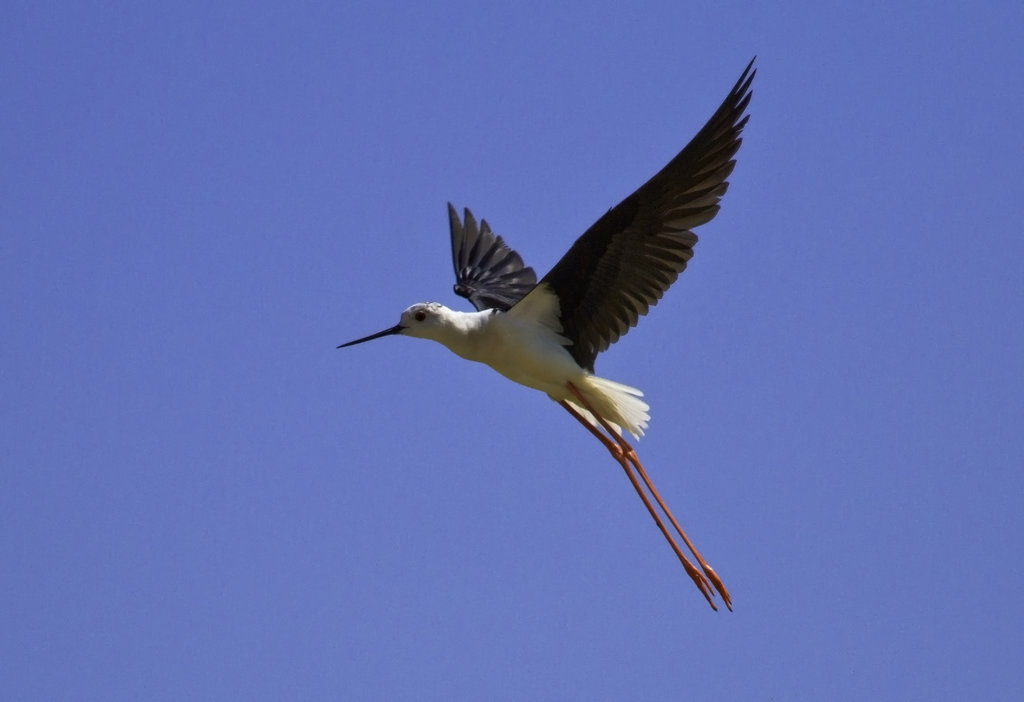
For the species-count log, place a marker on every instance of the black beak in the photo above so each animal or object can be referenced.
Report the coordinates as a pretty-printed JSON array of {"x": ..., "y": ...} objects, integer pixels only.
[{"x": 397, "y": 329}]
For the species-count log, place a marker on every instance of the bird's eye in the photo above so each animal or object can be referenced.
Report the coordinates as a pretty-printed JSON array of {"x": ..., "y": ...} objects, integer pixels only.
[{"x": 420, "y": 315}]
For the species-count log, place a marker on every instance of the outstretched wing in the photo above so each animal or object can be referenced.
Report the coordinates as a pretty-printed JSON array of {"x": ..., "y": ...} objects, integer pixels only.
[
  {"x": 487, "y": 272},
  {"x": 626, "y": 261}
]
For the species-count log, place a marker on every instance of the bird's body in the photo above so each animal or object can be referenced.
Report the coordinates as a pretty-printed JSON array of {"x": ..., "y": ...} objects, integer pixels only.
[
  {"x": 547, "y": 334},
  {"x": 525, "y": 345}
]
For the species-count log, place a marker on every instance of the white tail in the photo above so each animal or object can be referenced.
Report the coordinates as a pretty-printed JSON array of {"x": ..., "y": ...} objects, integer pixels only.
[{"x": 619, "y": 404}]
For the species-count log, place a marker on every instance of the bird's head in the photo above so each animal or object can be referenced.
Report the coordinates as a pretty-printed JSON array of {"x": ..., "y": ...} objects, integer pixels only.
[{"x": 423, "y": 320}]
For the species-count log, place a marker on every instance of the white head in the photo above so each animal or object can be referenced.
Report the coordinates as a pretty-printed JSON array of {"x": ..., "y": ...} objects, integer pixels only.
[{"x": 424, "y": 320}]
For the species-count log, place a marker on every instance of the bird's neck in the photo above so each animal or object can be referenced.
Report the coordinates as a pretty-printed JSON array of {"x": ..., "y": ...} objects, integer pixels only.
[{"x": 463, "y": 332}]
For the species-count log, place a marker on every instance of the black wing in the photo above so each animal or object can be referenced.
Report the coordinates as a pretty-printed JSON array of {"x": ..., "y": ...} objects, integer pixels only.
[
  {"x": 625, "y": 262},
  {"x": 487, "y": 272}
]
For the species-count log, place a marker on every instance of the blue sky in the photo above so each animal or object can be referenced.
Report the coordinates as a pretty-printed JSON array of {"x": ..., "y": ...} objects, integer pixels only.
[{"x": 201, "y": 498}]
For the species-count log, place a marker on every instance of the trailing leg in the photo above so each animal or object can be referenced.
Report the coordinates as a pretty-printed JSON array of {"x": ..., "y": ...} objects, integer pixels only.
[{"x": 621, "y": 456}]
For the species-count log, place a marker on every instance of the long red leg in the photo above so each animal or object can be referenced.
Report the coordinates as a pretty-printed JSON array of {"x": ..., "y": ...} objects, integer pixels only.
[
  {"x": 616, "y": 451},
  {"x": 629, "y": 454},
  {"x": 708, "y": 570}
]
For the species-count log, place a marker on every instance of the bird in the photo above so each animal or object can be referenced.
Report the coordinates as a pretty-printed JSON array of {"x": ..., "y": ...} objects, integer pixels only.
[{"x": 546, "y": 334}]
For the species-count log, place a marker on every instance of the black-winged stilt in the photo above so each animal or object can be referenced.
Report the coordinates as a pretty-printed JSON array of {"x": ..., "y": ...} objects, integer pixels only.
[{"x": 546, "y": 335}]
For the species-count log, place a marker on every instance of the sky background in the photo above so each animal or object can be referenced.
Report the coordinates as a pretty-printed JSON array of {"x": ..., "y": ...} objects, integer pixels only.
[{"x": 202, "y": 499}]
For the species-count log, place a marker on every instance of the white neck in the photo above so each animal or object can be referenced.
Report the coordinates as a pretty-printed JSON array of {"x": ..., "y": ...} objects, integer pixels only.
[{"x": 459, "y": 332}]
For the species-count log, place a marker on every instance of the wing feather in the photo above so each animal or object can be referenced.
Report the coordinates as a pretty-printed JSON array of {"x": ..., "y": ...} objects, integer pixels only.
[
  {"x": 487, "y": 272},
  {"x": 623, "y": 264}
]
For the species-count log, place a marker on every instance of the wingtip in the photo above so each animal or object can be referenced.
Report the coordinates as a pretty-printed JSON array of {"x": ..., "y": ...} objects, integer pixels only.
[{"x": 746, "y": 78}]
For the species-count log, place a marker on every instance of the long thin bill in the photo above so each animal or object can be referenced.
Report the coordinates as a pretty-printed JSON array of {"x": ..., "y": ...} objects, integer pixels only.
[{"x": 387, "y": 332}]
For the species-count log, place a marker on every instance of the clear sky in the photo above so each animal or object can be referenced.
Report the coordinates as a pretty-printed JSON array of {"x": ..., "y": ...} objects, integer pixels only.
[{"x": 201, "y": 499}]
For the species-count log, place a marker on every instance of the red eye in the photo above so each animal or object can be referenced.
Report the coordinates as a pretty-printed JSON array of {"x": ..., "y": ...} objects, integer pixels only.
[{"x": 420, "y": 315}]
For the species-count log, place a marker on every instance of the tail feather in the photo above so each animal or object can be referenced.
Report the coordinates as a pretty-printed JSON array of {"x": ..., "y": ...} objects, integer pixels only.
[{"x": 619, "y": 404}]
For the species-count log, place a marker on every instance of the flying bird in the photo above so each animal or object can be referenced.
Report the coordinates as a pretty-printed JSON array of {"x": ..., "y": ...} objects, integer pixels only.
[{"x": 547, "y": 334}]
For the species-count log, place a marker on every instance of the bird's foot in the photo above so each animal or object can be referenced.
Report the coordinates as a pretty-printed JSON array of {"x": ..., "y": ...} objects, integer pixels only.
[
  {"x": 716, "y": 582},
  {"x": 702, "y": 584}
]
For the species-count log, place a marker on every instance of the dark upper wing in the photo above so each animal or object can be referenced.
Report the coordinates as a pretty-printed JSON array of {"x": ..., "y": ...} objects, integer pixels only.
[
  {"x": 625, "y": 262},
  {"x": 487, "y": 272}
]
